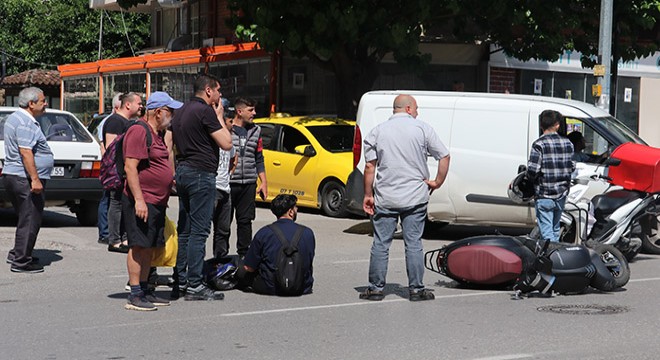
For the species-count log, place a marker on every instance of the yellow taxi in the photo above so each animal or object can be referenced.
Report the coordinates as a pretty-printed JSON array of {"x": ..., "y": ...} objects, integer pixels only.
[{"x": 310, "y": 157}]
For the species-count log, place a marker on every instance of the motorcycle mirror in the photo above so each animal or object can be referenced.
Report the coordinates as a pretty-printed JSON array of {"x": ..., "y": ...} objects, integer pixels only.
[
  {"x": 612, "y": 162},
  {"x": 581, "y": 181}
]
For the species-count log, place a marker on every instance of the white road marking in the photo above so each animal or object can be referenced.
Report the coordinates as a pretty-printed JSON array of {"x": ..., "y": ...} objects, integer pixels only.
[
  {"x": 320, "y": 307},
  {"x": 647, "y": 279},
  {"x": 508, "y": 357},
  {"x": 362, "y": 261},
  {"x": 274, "y": 311}
]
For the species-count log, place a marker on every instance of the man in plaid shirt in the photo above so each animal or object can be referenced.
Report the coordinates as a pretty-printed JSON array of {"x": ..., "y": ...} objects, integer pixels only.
[{"x": 550, "y": 167}]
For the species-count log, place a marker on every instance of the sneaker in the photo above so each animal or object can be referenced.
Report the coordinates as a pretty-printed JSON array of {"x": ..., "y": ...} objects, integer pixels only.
[
  {"x": 421, "y": 295},
  {"x": 373, "y": 295},
  {"x": 103, "y": 240},
  {"x": 35, "y": 260},
  {"x": 139, "y": 303},
  {"x": 128, "y": 286},
  {"x": 156, "y": 300},
  {"x": 202, "y": 292},
  {"x": 30, "y": 268}
]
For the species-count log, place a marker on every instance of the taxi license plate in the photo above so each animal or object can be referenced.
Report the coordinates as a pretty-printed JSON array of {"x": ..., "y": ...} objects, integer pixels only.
[{"x": 57, "y": 171}]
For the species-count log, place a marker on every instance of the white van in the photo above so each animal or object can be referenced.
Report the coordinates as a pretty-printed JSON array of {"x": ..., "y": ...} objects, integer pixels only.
[
  {"x": 74, "y": 180},
  {"x": 489, "y": 137}
]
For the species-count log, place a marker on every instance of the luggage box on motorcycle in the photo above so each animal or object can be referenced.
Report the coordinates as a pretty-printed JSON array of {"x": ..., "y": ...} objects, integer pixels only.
[{"x": 639, "y": 169}]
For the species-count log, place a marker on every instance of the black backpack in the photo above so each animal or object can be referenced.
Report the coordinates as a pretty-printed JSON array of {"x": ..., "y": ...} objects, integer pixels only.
[
  {"x": 289, "y": 271},
  {"x": 112, "y": 174}
]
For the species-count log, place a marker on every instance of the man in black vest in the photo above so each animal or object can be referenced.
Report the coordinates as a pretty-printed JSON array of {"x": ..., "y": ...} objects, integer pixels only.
[{"x": 246, "y": 137}]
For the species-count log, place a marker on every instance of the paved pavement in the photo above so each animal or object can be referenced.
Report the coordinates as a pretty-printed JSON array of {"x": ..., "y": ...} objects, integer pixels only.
[{"x": 74, "y": 310}]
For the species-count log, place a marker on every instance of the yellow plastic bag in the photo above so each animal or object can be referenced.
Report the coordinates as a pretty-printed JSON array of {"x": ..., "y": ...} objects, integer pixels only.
[{"x": 166, "y": 256}]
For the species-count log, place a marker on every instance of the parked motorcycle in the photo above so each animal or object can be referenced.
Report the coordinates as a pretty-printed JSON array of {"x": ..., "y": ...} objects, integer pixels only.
[
  {"x": 529, "y": 265},
  {"x": 617, "y": 216}
]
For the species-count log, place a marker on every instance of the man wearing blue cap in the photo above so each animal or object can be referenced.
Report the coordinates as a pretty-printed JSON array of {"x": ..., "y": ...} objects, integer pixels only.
[{"x": 147, "y": 190}]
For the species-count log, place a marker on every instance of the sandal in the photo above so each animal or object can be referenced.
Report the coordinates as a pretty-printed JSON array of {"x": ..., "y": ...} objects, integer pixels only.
[
  {"x": 118, "y": 249},
  {"x": 373, "y": 295}
]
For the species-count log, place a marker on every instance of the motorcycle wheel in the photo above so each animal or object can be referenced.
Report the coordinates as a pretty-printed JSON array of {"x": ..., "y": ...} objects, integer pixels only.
[
  {"x": 650, "y": 234},
  {"x": 615, "y": 262}
]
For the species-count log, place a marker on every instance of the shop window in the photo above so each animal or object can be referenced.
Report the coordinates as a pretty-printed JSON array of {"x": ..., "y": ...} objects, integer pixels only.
[
  {"x": 536, "y": 83},
  {"x": 569, "y": 86},
  {"x": 627, "y": 102},
  {"x": 178, "y": 82},
  {"x": 122, "y": 83},
  {"x": 248, "y": 78},
  {"x": 81, "y": 96}
]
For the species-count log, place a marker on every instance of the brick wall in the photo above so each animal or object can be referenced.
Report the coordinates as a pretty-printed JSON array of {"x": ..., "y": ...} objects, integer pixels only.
[{"x": 502, "y": 80}]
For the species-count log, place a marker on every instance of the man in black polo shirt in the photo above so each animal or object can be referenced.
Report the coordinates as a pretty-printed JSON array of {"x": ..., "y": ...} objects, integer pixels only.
[
  {"x": 259, "y": 264},
  {"x": 198, "y": 134}
]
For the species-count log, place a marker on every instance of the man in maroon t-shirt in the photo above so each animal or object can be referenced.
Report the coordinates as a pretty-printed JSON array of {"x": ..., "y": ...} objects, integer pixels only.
[{"x": 148, "y": 182}]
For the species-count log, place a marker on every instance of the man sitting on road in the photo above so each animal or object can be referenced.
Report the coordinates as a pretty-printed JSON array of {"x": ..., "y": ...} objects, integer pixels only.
[{"x": 260, "y": 263}]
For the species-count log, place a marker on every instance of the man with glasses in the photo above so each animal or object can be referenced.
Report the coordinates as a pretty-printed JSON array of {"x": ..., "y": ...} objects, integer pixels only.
[
  {"x": 145, "y": 196},
  {"x": 115, "y": 125},
  {"x": 28, "y": 164}
]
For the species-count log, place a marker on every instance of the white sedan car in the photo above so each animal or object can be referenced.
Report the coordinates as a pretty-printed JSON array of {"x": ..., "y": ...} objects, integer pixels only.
[{"x": 75, "y": 178}]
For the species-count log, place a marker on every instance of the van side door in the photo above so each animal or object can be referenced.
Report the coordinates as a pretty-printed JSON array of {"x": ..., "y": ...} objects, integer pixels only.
[{"x": 490, "y": 139}]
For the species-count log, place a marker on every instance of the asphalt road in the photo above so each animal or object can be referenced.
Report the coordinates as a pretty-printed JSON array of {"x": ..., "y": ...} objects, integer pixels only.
[{"x": 74, "y": 310}]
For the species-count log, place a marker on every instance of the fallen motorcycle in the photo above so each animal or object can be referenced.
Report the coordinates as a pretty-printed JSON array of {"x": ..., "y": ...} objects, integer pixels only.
[{"x": 527, "y": 265}]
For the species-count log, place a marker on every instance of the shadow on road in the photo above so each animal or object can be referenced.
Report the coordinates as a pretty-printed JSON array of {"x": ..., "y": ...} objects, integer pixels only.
[
  {"x": 390, "y": 289},
  {"x": 50, "y": 219},
  {"x": 444, "y": 232},
  {"x": 47, "y": 256}
]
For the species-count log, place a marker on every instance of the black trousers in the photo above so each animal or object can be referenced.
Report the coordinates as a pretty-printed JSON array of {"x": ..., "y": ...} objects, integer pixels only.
[
  {"x": 242, "y": 204},
  {"x": 29, "y": 208},
  {"x": 221, "y": 224},
  {"x": 250, "y": 281}
]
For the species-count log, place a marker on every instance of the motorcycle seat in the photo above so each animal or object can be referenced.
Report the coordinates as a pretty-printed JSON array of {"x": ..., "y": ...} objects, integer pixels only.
[
  {"x": 605, "y": 204},
  {"x": 484, "y": 264}
]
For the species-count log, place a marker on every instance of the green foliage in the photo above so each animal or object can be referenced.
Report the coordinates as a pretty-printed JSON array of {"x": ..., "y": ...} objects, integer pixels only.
[
  {"x": 349, "y": 37},
  {"x": 57, "y": 32},
  {"x": 544, "y": 29}
]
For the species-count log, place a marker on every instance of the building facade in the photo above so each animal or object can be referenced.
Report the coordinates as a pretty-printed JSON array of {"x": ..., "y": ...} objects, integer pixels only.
[{"x": 637, "y": 86}]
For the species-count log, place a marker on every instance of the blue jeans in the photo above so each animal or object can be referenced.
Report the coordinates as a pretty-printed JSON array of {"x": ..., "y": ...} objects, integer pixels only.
[
  {"x": 548, "y": 216},
  {"x": 196, "y": 191},
  {"x": 412, "y": 223},
  {"x": 102, "y": 224}
]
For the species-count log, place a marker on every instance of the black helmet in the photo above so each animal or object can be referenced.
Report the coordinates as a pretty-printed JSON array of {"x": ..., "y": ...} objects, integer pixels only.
[
  {"x": 223, "y": 277},
  {"x": 521, "y": 189}
]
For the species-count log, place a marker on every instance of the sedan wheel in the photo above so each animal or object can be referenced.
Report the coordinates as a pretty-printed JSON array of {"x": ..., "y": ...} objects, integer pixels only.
[{"x": 332, "y": 199}]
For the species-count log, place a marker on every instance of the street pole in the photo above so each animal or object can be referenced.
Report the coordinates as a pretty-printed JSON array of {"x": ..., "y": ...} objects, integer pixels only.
[
  {"x": 102, "y": 12},
  {"x": 605, "y": 52}
]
